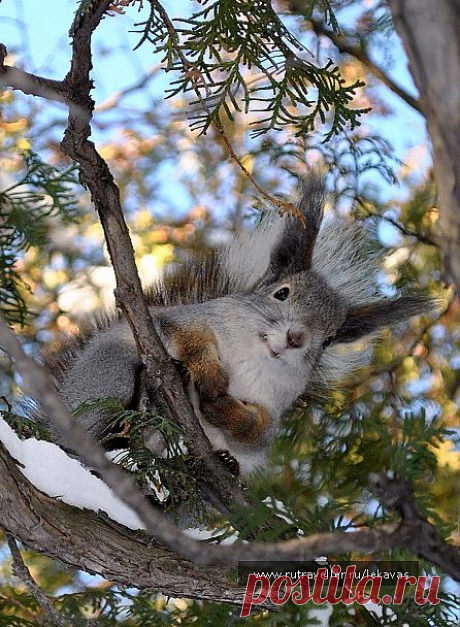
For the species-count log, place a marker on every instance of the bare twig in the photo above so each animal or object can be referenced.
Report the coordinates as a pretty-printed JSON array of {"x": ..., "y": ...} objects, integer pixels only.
[
  {"x": 5, "y": 400},
  {"x": 423, "y": 238},
  {"x": 21, "y": 571},
  {"x": 114, "y": 99}
]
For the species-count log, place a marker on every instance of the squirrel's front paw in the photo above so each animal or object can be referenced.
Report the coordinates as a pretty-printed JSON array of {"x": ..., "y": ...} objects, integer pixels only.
[
  {"x": 245, "y": 421},
  {"x": 211, "y": 381}
]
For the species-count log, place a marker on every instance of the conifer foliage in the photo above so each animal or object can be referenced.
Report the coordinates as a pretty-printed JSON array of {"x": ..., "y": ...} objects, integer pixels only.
[{"x": 271, "y": 85}]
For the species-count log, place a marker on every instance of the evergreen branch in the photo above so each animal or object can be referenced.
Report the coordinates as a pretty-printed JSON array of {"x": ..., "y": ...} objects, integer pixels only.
[
  {"x": 25, "y": 208},
  {"x": 172, "y": 402},
  {"x": 21, "y": 571},
  {"x": 342, "y": 43},
  {"x": 211, "y": 47},
  {"x": 92, "y": 542},
  {"x": 169, "y": 479},
  {"x": 197, "y": 79},
  {"x": 423, "y": 238}
]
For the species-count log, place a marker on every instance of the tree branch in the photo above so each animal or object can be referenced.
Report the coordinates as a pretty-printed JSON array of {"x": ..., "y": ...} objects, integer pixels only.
[
  {"x": 344, "y": 45},
  {"x": 282, "y": 206},
  {"x": 96, "y": 544},
  {"x": 114, "y": 99},
  {"x": 38, "y": 384},
  {"x": 423, "y": 238},
  {"x": 414, "y": 533},
  {"x": 30, "y": 84},
  {"x": 21, "y": 571},
  {"x": 43, "y": 523},
  {"x": 430, "y": 32},
  {"x": 170, "y": 398},
  {"x": 216, "y": 482}
]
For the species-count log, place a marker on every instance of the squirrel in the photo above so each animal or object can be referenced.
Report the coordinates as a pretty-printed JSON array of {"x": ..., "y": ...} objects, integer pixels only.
[{"x": 256, "y": 325}]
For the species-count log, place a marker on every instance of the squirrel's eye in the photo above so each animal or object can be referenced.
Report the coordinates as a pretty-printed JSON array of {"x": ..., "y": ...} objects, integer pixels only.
[
  {"x": 281, "y": 294},
  {"x": 328, "y": 341}
]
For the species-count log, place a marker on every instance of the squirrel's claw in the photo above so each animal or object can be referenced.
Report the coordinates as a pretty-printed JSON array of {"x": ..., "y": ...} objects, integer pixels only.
[{"x": 228, "y": 461}]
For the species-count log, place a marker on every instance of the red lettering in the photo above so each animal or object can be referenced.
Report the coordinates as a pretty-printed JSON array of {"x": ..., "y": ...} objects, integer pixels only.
[
  {"x": 432, "y": 596},
  {"x": 374, "y": 593},
  {"x": 275, "y": 591},
  {"x": 303, "y": 595},
  {"x": 249, "y": 598},
  {"x": 347, "y": 585},
  {"x": 402, "y": 581},
  {"x": 320, "y": 577},
  {"x": 332, "y": 588}
]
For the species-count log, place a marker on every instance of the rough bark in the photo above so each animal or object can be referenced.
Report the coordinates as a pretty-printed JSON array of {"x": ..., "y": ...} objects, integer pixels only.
[
  {"x": 94, "y": 543},
  {"x": 431, "y": 35},
  {"x": 20, "y": 570},
  {"x": 171, "y": 400}
]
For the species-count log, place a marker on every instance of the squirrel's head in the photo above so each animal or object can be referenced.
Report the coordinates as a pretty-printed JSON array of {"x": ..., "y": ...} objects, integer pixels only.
[
  {"x": 308, "y": 314},
  {"x": 313, "y": 315}
]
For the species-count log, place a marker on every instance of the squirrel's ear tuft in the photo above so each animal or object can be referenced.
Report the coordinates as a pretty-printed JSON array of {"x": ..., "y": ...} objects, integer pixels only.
[
  {"x": 363, "y": 319},
  {"x": 294, "y": 250}
]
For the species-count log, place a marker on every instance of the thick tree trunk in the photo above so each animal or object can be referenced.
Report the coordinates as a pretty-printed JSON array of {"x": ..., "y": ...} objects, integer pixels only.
[{"x": 431, "y": 35}]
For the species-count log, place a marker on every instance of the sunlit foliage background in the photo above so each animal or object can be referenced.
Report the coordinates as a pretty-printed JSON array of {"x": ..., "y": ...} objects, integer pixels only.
[{"x": 181, "y": 192}]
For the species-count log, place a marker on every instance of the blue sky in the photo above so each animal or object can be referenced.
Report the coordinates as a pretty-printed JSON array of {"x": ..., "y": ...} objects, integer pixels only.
[
  {"x": 42, "y": 46},
  {"x": 37, "y": 33}
]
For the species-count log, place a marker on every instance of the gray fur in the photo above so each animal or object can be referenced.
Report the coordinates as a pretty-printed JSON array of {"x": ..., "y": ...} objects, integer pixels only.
[{"x": 330, "y": 300}]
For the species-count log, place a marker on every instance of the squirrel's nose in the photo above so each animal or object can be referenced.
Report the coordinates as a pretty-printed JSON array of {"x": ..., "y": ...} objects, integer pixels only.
[{"x": 295, "y": 339}]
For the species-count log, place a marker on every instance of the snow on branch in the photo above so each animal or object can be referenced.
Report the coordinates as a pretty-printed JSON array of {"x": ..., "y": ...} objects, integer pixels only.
[{"x": 94, "y": 543}]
